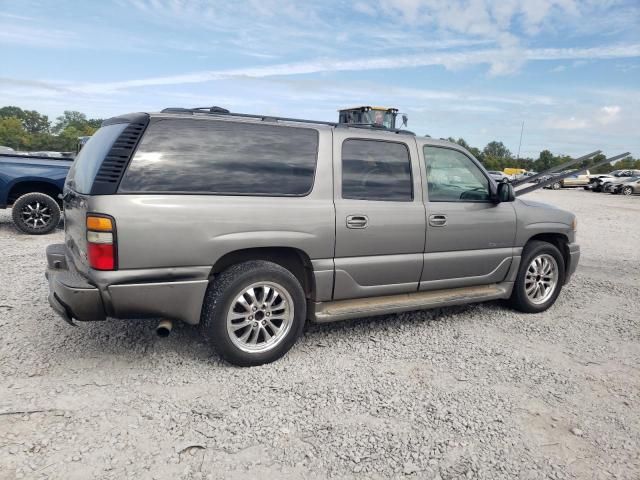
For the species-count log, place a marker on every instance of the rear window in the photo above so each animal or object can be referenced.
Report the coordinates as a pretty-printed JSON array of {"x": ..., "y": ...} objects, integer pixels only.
[
  {"x": 226, "y": 158},
  {"x": 83, "y": 171}
]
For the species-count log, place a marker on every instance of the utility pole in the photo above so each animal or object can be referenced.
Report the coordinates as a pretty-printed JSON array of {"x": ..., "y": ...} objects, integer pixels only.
[{"x": 520, "y": 144}]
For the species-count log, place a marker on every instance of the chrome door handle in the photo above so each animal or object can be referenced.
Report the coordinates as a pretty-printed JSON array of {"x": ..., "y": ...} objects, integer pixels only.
[
  {"x": 437, "y": 220},
  {"x": 357, "y": 221}
]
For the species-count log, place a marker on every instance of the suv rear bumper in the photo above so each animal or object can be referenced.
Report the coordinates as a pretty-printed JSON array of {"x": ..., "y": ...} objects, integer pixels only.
[
  {"x": 173, "y": 293},
  {"x": 70, "y": 295}
]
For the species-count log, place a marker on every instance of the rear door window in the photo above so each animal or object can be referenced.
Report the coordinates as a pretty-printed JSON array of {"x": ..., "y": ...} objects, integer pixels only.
[
  {"x": 376, "y": 170},
  {"x": 87, "y": 163},
  {"x": 226, "y": 158}
]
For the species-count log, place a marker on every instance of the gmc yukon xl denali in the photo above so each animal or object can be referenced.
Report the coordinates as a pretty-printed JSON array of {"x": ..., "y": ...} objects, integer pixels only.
[{"x": 250, "y": 226}]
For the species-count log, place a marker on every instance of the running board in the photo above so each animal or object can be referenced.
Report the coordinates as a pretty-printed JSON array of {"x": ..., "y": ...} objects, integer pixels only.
[{"x": 325, "y": 312}]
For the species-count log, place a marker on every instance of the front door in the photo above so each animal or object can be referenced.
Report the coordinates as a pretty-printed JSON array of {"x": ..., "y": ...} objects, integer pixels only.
[
  {"x": 469, "y": 238},
  {"x": 380, "y": 216}
]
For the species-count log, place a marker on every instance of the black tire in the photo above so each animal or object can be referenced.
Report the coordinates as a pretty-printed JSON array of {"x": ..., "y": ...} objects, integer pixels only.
[
  {"x": 519, "y": 299},
  {"x": 221, "y": 295},
  {"x": 627, "y": 191},
  {"x": 556, "y": 186},
  {"x": 28, "y": 221}
]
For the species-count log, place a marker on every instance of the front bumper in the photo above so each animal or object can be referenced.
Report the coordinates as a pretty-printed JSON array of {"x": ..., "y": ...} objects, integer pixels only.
[
  {"x": 574, "y": 258},
  {"x": 171, "y": 293}
]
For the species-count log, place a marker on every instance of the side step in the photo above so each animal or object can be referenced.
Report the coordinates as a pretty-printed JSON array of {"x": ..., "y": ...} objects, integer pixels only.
[{"x": 325, "y": 312}]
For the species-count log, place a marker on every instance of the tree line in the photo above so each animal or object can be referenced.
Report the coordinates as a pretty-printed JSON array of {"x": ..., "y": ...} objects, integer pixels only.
[
  {"x": 28, "y": 130},
  {"x": 496, "y": 156}
]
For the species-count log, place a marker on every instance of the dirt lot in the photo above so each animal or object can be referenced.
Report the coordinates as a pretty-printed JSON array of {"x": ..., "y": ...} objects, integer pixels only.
[{"x": 466, "y": 392}]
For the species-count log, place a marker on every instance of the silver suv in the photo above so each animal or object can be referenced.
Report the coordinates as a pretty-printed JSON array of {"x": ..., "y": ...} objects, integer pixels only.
[{"x": 251, "y": 225}]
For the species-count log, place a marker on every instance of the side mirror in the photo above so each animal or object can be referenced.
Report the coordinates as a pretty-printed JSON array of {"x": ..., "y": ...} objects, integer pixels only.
[{"x": 505, "y": 193}]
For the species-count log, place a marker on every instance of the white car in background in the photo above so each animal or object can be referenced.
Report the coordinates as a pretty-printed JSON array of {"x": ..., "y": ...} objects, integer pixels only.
[{"x": 498, "y": 176}]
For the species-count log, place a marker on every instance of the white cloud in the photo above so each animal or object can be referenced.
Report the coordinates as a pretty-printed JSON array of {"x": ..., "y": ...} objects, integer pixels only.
[
  {"x": 500, "y": 64},
  {"x": 570, "y": 123},
  {"x": 609, "y": 114}
]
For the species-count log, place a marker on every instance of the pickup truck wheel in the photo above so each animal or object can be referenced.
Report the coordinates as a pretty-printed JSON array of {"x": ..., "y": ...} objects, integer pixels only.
[
  {"x": 253, "y": 313},
  {"x": 540, "y": 278},
  {"x": 36, "y": 213},
  {"x": 556, "y": 186}
]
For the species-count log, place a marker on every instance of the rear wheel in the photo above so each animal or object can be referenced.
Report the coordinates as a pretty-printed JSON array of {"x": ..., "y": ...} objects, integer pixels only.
[
  {"x": 556, "y": 186},
  {"x": 253, "y": 313},
  {"x": 627, "y": 191},
  {"x": 540, "y": 278},
  {"x": 36, "y": 213}
]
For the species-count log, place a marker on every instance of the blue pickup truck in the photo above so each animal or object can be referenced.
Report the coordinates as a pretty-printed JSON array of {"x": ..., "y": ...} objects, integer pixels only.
[{"x": 31, "y": 185}]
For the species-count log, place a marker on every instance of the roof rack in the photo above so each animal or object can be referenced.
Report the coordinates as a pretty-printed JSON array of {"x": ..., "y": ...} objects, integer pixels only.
[{"x": 269, "y": 118}]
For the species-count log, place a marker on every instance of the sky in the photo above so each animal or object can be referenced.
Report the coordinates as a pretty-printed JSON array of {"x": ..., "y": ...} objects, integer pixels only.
[{"x": 476, "y": 69}]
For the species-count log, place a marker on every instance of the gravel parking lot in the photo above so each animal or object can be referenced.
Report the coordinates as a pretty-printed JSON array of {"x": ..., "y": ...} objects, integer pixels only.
[{"x": 467, "y": 392}]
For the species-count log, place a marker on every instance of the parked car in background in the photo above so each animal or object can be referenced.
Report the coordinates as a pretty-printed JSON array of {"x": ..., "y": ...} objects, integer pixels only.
[
  {"x": 513, "y": 173},
  {"x": 577, "y": 180},
  {"x": 593, "y": 179},
  {"x": 599, "y": 184},
  {"x": 185, "y": 215},
  {"x": 524, "y": 176},
  {"x": 31, "y": 185},
  {"x": 625, "y": 186},
  {"x": 498, "y": 176}
]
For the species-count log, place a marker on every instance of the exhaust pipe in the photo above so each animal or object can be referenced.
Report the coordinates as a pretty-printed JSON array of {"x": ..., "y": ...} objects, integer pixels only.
[{"x": 164, "y": 328}]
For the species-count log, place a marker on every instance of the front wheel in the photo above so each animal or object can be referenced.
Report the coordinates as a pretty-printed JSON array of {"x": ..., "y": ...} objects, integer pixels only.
[
  {"x": 540, "y": 278},
  {"x": 627, "y": 191},
  {"x": 556, "y": 186},
  {"x": 36, "y": 213},
  {"x": 253, "y": 313}
]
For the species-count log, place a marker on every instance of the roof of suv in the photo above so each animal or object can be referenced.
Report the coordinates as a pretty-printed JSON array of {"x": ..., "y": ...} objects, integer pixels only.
[{"x": 224, "y": 115}]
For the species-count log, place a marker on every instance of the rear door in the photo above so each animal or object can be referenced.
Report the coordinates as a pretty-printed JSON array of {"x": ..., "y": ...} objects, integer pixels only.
[
  {"x": 469, "y": 238},
  {"x": 380, "y": 217}
]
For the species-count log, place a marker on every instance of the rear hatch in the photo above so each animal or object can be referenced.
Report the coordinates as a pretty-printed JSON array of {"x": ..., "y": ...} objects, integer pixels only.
[{"x": 97, "y": 171}]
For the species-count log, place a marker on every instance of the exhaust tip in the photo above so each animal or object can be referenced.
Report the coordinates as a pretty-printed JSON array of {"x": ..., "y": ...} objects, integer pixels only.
[{"x": 164, "y": 328}]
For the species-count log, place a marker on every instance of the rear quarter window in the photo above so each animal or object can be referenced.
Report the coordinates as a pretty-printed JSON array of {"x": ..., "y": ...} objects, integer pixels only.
[
  {"x": 85, "y": 166},
  {"x": 225, "y": 158}
]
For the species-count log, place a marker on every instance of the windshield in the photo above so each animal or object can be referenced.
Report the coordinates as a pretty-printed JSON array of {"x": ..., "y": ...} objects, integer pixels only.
[{"x": 88, "y": 161}]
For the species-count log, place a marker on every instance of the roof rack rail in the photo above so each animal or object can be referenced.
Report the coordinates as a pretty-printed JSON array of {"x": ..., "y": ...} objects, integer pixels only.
[{"x": 224, "y": 112}]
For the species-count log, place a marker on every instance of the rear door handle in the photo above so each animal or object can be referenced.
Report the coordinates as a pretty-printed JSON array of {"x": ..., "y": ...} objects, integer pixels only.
[
  {"x": 357, "y": 221},
  {"x": 437, "y": 220}
]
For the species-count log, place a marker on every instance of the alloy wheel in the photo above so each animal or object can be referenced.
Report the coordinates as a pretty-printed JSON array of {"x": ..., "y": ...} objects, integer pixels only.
[
  {"x": 36, "y": 215},
  {"x": 541, "y": 278},
  {"x": 260, "y": 317}
]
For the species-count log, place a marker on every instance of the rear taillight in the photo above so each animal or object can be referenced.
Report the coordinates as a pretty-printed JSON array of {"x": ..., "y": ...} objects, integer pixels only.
[{"x": 101, "y": 242}]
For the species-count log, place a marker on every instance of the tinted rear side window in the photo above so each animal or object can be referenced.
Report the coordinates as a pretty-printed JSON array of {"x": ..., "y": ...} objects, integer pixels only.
[
  {"x": 375, "y": 170},
  {"x": 205, "y": 156},
  {"x": 86, "y": 165}
]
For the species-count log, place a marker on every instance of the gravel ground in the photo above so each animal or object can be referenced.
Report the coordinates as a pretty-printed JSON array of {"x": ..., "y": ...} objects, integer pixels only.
[{"x": 467, "y": 392}]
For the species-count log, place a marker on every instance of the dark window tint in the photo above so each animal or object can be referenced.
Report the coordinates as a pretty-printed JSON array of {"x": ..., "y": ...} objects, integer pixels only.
[
  {"x": 454, "y": 177},
  {"x": 374, "y": 170},
  {"x": 86, "y": 165},
  {"x": 205, "y": 156}
]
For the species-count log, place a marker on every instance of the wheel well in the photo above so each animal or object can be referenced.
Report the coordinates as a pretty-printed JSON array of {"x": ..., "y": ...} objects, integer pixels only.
[
  {"x": 294, "y": 260},
  {"x": 21, "y": 188},
  {"x": 559, "y": 240}
]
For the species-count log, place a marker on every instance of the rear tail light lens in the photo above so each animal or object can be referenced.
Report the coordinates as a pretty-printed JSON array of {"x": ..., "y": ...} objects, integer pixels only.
[{"x": 101, "y": 242}]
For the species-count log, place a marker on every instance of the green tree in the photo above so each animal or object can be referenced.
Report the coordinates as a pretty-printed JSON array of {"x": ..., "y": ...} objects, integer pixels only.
[
  {"x": 496, "y": 150},
  {"x": 77, "y": 120},
  {"x": 13, "y": 134},
  {"x": 32, "y": 121}
]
